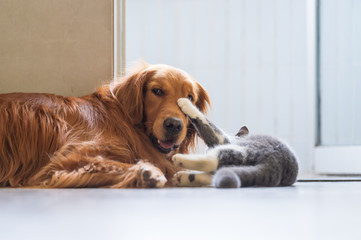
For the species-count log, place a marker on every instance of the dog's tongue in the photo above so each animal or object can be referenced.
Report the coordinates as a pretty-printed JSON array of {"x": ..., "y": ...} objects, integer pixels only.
[{"x": 166, "y": 144}]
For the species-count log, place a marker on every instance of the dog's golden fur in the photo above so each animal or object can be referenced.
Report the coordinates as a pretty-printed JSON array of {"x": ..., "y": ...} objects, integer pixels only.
[{"x": 99, "y": 140}]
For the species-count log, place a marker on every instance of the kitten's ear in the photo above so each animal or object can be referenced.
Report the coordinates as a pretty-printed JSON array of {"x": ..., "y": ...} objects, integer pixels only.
[{"x": 242, "y": 132}]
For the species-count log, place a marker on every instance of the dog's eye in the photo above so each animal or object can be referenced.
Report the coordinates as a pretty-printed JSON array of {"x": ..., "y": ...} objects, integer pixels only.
[
  {"x": 157, "y": 92},
  {"x": 190, "y": 97}
]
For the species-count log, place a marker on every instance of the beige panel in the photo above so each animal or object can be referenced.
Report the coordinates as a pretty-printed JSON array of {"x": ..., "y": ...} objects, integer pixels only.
[{"x": 56, "y": 46}]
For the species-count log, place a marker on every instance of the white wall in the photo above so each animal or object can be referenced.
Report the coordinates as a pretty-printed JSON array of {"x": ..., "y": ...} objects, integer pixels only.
[{"x": 250, "y": 55}]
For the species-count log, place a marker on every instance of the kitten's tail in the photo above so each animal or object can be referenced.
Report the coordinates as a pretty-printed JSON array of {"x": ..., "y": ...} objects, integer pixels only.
[{"x": 246, "y": 176}]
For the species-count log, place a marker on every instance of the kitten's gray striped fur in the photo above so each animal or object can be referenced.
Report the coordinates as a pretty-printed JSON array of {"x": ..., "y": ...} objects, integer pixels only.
[{"x": 231, "y": 162}]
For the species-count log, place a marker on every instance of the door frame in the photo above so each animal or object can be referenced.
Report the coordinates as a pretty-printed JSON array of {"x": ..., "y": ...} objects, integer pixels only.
[{"x": 335, "y": 160}]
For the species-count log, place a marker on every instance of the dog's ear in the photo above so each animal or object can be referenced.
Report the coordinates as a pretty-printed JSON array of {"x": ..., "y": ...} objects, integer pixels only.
[
  {"x": 130, "y": 92},
  {"x": 203, "y": 100},
  {"x": 202, "y": 103},
  {"x": 242, "y": 132}
]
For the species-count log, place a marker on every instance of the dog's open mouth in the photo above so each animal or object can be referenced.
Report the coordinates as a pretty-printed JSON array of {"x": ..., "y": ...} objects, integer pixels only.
[{"x": 163, "y": 146}]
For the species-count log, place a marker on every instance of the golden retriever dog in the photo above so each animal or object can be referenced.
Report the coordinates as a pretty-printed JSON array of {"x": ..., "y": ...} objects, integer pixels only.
[{"x": 122, "y": 136}]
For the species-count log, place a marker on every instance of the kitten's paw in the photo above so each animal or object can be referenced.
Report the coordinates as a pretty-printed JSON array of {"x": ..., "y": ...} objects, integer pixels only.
[
  {"x": 199, "y": 162},
  {"x": 191, "y": 179},
  {"x": 177, "y": 160},
  {"x": 150, "y": 176},
  {"x": 187, "y": 161},
  {"x": 183, "y": 103},
  {"x": 188, "y": 108},
  {"x": 226, "y": 178},
  {"x": 182, "y": 179}
]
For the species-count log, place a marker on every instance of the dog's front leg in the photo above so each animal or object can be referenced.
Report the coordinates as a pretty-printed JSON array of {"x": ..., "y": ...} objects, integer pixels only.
[{"x": 98, "y": 172}]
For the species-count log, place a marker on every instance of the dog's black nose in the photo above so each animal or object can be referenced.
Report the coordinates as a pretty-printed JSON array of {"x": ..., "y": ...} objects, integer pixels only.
[{"x": 173, "y": 125}]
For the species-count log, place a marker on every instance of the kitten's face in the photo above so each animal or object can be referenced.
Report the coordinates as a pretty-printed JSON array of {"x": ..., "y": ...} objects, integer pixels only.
[{"x": 242, "y": 132}]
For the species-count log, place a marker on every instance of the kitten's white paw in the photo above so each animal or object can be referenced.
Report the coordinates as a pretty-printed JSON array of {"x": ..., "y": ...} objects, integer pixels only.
[
  {"x": 199, "y": 162},
  {"x": 191, "y": 179},
  {"x": 177, "y": 160},
  {"x": 188, "y": 108},
  {"x": 184, "y": 102},
  {"x": 180, "y": 179}
]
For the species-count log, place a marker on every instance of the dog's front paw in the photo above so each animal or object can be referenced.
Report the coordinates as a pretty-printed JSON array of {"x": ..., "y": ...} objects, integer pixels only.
[{"x": 150, "y": 176}]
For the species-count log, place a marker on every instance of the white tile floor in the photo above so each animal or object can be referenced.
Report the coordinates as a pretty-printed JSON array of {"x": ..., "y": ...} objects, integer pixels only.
[{"x": 308, "y": 210}]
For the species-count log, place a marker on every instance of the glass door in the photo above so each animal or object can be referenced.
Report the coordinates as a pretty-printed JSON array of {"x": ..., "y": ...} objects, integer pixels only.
[{"x": 339, "y": 88}]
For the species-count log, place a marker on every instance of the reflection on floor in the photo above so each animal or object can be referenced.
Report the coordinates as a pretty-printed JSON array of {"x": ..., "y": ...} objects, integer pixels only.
[{"x": 308, "y": 210}]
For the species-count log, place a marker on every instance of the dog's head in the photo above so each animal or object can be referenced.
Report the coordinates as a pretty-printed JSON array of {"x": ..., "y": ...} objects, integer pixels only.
[{"x": 149, "y": 95}]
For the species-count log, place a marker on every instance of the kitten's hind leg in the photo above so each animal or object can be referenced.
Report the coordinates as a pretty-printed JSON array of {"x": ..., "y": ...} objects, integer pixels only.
[
  {"x": 192, "y": 179},
  {"x": 201, "y": 162},
  {"x": 210, "y": 134}
]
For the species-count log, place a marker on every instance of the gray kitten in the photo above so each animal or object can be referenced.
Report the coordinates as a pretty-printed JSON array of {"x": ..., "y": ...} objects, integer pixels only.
[{"x": 231, "y": 162}]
